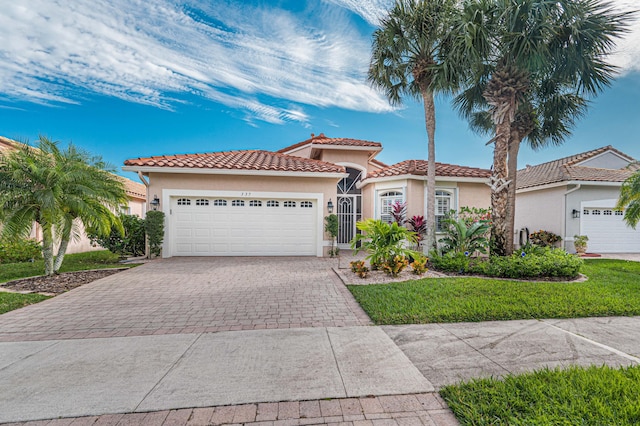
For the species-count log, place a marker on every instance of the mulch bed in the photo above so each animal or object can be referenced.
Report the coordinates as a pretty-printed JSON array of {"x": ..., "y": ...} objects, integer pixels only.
[{"x": 60, "y": 283}]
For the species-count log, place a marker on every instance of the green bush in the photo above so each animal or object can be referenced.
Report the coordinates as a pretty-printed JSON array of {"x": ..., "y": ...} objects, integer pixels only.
[
  {"x": 131, "y": 243},
  {"x": 463, "y": 237},
  {"x": 154, "y": 227},
  {"x": 19, "y": 250},
  {"x": 533, "y": 263},
  {"x": 383, "y": 241}
]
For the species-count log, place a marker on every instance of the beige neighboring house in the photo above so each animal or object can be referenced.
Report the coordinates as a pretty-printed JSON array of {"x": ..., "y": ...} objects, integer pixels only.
[
  {"x": 250, "y": 203},
  {"x": 576, "y": 195},
  {"x": 137, "y": 205}
]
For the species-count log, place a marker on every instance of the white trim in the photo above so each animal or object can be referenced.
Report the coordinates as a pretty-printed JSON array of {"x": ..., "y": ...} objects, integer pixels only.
[
  {"x": 203, "y": 171},
  {"x": 352, "y": 165},
  {"x": 567, "y": 183},
  {"x": 608, "y": 151},
  {"x": 423, "y": 178},
  {"x": 329, "y": 146},
  {"x": 168, "y": 193}
]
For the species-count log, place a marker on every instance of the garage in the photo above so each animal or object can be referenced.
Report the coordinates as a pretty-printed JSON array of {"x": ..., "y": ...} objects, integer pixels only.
[
  {"x": 607, "y": 231},
  {"x": 243, "y": 226}
]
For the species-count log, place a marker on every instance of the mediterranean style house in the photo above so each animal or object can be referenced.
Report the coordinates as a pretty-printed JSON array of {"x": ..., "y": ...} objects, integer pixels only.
[
  {"x": 137, "y": 205},
  {"x": 254, "y": 202},
  {"x": 576, "y": 195}
]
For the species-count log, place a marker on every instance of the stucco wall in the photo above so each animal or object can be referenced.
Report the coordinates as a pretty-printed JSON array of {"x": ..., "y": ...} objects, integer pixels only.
[
  {"x": 304, "y": 152},
  {"x": 543, "y": 209},
  {"x": 474, "y": 195},
  {"x": 607, "y": 160},
  {"x": 415, "y": 197},
  {"x": 341, "y": 156},
  {"x": 368, "y": 202}
]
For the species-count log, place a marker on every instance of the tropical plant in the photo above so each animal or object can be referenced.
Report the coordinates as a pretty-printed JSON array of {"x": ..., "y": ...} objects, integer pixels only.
[
  {"x": 383, "y": 241},
  {"x": 418, "y": 225},
  {"x": 19, "y": 250},
  {"x": 462, "y": 238},
  {"x": 331, "y": 227},
  {"x": 57, "y": 189},
  {"x": 154, "y": 228},
  {"x": 129, "y": 243},
  {"x": 395, "y": 265},
  {"x": 419, "y": 265},
  {"x": 630, "y": 200},
  {"x": 399, "y": 212},
  {"x": 405, "y": 61},
  {"x": 580, "y": 243},
  {"x": 359, "y": 268},
  {"x": 513, "y": 53}
]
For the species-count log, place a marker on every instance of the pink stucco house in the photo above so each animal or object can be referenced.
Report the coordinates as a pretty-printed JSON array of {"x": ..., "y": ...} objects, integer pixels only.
[{"x": 247, "y": 203}]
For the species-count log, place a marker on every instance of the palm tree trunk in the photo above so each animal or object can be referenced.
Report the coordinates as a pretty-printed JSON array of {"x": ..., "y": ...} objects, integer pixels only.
[
  {"x": 499, "y": 192},
  {"x": 430, "y": 122},
  {"x": 512, "y": 166},
  {"x": 47, "y": 248},
  {"x": 62, "y": 250}
]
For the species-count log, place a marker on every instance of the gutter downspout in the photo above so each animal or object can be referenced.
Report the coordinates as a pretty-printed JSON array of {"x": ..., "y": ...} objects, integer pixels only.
[
  {"x": 147, "y": 253},
  {"x": 578, "y": 186}
]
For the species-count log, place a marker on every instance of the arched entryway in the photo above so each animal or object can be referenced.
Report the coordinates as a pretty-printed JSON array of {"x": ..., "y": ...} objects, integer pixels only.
[{"x": 349, "y": 206}]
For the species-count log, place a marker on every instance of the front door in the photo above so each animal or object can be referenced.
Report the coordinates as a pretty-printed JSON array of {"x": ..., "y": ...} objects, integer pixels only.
[{"x": 349, "y": 207}]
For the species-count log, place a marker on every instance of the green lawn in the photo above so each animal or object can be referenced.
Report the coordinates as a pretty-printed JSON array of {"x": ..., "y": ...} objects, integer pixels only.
[
  {"x": 72, "y": 262},
  {"x": 573, "y": 396},
  {"x": 613, "y": 288}
]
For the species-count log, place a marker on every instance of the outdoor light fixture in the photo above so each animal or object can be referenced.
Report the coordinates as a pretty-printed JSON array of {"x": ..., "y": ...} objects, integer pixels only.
[
  {"x": 330, "y": 206},
  {"x": 575, "y": 214},
  {"x": 155, "y": 202}
]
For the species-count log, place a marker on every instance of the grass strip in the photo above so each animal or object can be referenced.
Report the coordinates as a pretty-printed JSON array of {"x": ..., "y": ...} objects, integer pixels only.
[{"x": 574, "y": 396}]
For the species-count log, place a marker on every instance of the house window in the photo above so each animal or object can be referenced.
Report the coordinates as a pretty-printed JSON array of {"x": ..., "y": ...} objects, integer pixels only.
[
  {"x": 585, "y": 212},
  {"x": 237, "y": 203},
  {"x": 184, "y": 202},
  {"x": 619, "y": 213},
  {"x": 595, "y": 212},
  {"x": 220, "y": 203},
  {"x": 289, "y": 204},
  {"x": 306, "y": 204},
  {"x": 387, "y": 199},
  {"x": 273, "y": 203},
  {"x": 255, "y": 203},
  {"x": 607, "y": 212},
  {"x": 202, "y": 202},
  {"x": 125, "y": 209},
  {"x": 444, "y": 204}
]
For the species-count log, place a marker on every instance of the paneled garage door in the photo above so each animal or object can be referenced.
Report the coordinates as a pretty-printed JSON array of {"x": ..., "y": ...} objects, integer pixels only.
[
  {"x": 607, "y": 231},
  {"x": 209, "y": 226}
]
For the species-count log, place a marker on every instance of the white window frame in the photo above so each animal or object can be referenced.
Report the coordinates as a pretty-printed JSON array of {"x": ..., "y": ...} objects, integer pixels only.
[
  {"x": 444, "y": 194},
  {"x": 386, "y": 199}
]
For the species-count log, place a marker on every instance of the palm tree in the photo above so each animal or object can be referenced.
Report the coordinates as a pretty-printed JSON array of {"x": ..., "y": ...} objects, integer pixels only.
[
  {"x": 630, "y": 200},
  {"x": 53, "y": 188},
  {"x": 504, "y": 46},
  {"x": 405, "y": 62}
]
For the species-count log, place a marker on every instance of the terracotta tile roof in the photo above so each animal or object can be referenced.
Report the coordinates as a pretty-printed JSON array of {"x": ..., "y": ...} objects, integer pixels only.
[
  {"x": 321, "y": 139},
  {"x": 566, "y": 169},
  {"x": 133, "y": 189},
  {"x": 239, "y": 160},
  {"x": 419, "y": 168},
  {"x": 378, "y": 163}
]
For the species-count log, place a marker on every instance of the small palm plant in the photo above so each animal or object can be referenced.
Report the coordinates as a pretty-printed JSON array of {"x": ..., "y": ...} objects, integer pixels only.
[
  {"x": 465, "y": 238},
  {"x": 383, "y": 241}
]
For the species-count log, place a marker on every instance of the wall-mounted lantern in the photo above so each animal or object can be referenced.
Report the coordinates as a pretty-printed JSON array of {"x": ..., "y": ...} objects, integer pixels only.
[
  {"x": 155, "y": 202},
  {"x": 575, "y": 214},
  {"x": 330, "y": 206}
]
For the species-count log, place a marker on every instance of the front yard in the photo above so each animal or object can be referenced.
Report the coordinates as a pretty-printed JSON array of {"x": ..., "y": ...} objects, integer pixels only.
[{"x": 613, "y": 288}]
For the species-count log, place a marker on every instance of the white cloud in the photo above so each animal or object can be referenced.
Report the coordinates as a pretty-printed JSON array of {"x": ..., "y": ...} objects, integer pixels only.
[
  {"x": 262, "y": 60},
  {"x": 371, "y": 10}
]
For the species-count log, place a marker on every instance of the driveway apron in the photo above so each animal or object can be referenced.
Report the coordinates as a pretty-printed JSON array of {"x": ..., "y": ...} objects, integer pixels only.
[{"x": 193, "y": 295}]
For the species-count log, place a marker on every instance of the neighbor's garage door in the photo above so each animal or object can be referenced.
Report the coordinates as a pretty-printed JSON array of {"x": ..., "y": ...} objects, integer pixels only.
[
  {"x": 608, "y": 233},
  {"x": 243, "y": 226}
]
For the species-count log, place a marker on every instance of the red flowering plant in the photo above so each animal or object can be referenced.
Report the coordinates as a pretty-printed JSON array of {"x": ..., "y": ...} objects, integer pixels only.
[
  {"x": 418, "y": 225},
  {"x": 399, "y": 212}
]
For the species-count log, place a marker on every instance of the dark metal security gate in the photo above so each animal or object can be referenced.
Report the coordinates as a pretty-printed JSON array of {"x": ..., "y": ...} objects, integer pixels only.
[{"x": 349, "y": 207}]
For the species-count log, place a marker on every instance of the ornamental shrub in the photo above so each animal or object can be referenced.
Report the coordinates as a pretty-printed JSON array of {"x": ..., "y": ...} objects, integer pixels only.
[
  {"x": 450, "y": 262},
  {"x": 19, "y": 250},
  {"x": 395, "y": 265},
  {"x": 383, "y": 241},
  {"x": 543, "y": 238},
  {"x": 154, "y": 228},
  {"x": 419, "y": 265},
  {"x": 131, "y": 243}
]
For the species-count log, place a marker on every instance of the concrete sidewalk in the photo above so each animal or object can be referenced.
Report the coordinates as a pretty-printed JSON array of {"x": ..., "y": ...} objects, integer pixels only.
[{"x": 89, "y": 377}]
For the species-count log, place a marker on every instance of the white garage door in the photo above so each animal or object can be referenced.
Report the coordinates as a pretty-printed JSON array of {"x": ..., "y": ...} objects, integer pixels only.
[
  {"x": 209, "y": 226},
  {"x": 607, "y": 231}
]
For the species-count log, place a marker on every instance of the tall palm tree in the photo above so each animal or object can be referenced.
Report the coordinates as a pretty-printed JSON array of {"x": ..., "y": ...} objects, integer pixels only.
[
  {"x": 53, "y": 188},
  {"x": 405, "y": 62},
  {"x": 630, "y": 199},
  {"x": 502, "y": 46}
]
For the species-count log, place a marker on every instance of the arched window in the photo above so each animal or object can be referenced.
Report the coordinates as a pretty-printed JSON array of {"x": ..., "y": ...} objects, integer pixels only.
[
  {"x": 220, "y": 203},
  {"x": 289, "y": 203},
  {"x": 184, "y": 202},
  {"x": 444, "y": 204},
  {"x": 237, "y": 203},
  {"x": 387, "y": 199},
  {"x": 306, "y": 204},
  {"x": 202, "y": 202},
  {"x": 273, "y": 203},
  {"x": 255, "y": 203}
]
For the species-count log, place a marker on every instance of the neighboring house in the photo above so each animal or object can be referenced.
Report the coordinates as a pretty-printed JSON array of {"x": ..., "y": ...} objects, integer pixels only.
[
  {"x": 137, "y": 205},
  {"x": 576, "y": 195},
  {"x": 245, "y": 203}
]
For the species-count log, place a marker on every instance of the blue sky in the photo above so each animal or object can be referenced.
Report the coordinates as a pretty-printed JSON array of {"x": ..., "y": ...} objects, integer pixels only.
[{"x": 127, "y": 79}]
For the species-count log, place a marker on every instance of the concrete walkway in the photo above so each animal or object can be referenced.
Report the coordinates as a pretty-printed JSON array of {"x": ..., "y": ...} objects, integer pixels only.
[{"x": 197, "y": 341}]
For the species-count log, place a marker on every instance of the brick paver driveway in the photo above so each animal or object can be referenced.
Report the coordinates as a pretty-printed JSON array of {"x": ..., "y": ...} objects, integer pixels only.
[{"x": 187, "y": 295}]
